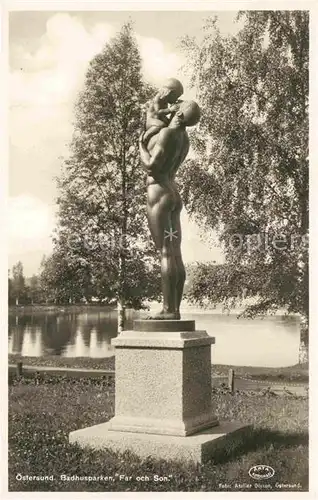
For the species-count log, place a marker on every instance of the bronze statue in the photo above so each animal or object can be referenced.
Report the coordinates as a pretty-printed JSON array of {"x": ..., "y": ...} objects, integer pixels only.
[
  {"x": 162, "y": 153},
  {"x": 163, "y": 104}
]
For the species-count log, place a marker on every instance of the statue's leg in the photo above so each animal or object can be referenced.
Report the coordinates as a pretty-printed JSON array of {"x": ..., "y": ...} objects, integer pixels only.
[
  {"x": 159, "y": 220},
  {"x": 180, "y": 270}
]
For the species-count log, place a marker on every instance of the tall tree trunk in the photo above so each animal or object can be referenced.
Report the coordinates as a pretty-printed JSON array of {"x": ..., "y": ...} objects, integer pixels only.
[
  {"x": 121, "y": 305},
  {"x": 121, "y": 314},
  {"x": 304, "y": 340},
  {"x": 304, "y": 318}
]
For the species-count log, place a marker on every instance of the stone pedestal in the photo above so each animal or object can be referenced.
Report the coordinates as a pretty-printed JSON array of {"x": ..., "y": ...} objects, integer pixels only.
[
  {"x": 163, "y": 379},
  {"x": 163, "y": 403}
]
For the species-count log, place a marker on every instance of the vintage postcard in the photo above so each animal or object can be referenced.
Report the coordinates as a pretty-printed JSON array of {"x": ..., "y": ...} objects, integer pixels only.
[{"x": 157, "y": 280}]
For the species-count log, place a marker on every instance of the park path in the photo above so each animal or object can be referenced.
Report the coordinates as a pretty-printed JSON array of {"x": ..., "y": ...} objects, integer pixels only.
[
  {"x": 244, "y": 384},
  {"x": 298, "y": 389},
  {"x": 60, "y": 370}
]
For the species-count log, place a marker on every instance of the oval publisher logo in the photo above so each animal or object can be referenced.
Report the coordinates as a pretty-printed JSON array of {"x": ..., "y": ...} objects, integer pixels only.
[{"x": 261, "y": 472}]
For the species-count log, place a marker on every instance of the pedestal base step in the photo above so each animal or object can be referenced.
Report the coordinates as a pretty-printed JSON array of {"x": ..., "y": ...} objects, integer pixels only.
[
  {"x": 163, "y": 426},
  {"x": 198, "y": 448}
]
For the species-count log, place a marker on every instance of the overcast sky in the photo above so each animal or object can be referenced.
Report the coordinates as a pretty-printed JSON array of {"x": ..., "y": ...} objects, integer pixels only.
[{"x": 49, "y": 53}]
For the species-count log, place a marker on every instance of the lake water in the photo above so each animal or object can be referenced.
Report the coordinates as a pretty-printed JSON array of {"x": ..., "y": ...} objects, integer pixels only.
[{"x": 272, "y": 341}]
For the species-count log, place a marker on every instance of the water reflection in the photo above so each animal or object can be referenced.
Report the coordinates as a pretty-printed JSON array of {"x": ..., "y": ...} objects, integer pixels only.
[
  {"x": 272, "y": 341},
  {"x": 66, "y": 334}
]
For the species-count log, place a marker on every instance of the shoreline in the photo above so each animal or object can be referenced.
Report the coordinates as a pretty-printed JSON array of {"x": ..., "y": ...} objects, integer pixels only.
[
  {"x": 186, "y": 311},
  {"x": 25, "y": 309}
]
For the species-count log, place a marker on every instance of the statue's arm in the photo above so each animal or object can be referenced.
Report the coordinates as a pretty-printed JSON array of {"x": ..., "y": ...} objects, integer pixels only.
[
  {"x": 168, "y": 111},
  {"x": 164, "y": 112},
  {"x": 156, "y": 160},
  {"x": 185, "y": 149},
  {"x": 157, "y": 110}
]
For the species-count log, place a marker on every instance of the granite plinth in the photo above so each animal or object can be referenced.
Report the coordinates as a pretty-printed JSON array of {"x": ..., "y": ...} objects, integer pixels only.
[
  {"x": 163, "y": 382},
  {"x": 162, "y": 340},
  {"x": 198, "y": 448},
  {"x": 163, "y": 398},
  {"x": 162, "y": 325}
]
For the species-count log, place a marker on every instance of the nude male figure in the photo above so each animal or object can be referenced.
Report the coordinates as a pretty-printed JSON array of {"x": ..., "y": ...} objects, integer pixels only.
[{"x": 161, "y": 158}]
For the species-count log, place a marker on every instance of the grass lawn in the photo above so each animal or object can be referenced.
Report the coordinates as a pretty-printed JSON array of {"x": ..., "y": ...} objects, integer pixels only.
[
  {"x": 43, "y": 410},
  {"x": 296, "y": 373},
  {"x": 51, "y": 360}
]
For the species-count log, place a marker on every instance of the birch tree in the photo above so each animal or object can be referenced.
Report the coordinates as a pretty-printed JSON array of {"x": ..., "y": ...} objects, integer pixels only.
[
  {"x": 102, "y": 214},
  {"x": 249, "y": 178}
]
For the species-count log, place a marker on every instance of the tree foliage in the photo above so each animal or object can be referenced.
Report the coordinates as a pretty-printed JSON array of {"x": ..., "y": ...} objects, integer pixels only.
[
  {"x": 23, "y": 290},
  {"x": 102, "y": 234},
  {"x": 63, "y": 280},
  {"x": 35, "y": 290},
  {"x": 17, "y": 287},
  {"x": 249, "y": 178}
]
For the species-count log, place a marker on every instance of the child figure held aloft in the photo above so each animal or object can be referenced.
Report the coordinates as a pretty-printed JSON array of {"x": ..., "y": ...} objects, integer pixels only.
[{"x": 163, "y": 104}]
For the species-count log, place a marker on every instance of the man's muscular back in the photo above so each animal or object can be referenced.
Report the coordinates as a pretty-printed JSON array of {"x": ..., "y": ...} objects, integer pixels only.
[{"x": 168, "y": 149}]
